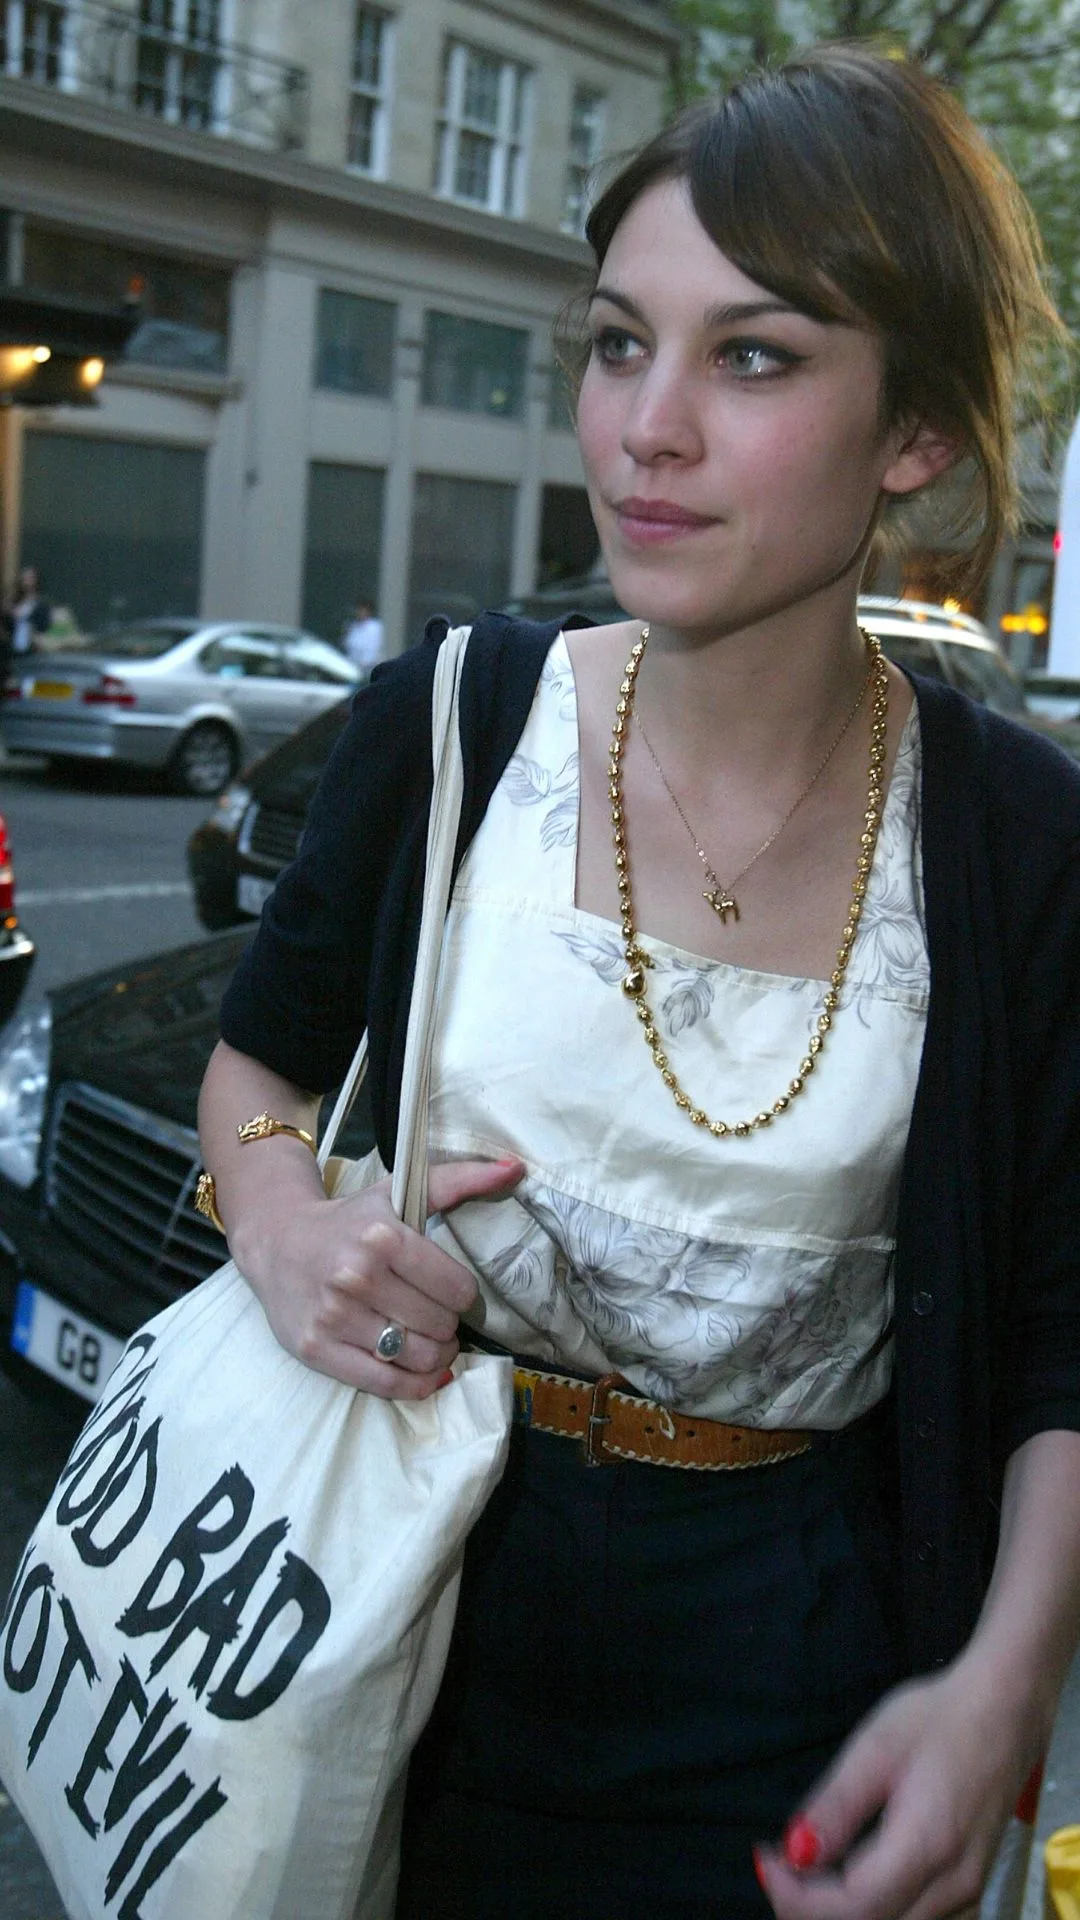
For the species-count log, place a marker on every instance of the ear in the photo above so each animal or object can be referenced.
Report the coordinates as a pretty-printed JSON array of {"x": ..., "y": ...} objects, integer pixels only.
[{"x": 923, "y": 453}]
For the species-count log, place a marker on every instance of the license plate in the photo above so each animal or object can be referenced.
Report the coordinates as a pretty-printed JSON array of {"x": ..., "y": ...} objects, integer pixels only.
[
  {"x": 51, "y": 690},
  {"x": 61, "y": 1343},
  {"x": 253, "y": 893}
]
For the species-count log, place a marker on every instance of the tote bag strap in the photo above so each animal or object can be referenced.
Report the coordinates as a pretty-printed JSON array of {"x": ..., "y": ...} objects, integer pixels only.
[{"x": 408, "y": 1190}]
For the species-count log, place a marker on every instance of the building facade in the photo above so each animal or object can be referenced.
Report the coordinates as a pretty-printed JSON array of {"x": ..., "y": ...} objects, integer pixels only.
[{"x": 344, "y": 231}]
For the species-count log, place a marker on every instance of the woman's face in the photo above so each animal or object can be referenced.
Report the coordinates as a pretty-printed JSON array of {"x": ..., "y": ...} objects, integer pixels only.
[{"x": 734, "y": 449}]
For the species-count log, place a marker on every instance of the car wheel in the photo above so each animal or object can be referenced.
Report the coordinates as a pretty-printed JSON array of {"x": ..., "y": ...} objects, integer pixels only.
[{"x": 205, "y": 760}]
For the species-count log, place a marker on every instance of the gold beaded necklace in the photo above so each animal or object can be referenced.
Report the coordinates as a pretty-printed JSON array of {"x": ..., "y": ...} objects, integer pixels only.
[{"x": 635, "y": 984}]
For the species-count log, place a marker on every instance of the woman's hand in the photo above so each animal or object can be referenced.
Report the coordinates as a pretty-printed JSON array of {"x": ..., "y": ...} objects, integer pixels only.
[
  {"x": 937, "y": 1767},
  {"x": 331, "y": 1274}
]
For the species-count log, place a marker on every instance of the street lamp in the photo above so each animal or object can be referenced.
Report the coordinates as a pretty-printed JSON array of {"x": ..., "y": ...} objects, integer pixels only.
[{"x": 54, "y": 352}]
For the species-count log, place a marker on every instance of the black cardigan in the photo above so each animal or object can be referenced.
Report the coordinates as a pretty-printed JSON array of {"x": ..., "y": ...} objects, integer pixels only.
[{"x": 987, "y": 1294}]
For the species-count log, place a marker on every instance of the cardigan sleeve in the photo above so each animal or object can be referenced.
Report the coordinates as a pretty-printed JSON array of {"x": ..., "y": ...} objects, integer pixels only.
[{"x": 298, "y": 999}]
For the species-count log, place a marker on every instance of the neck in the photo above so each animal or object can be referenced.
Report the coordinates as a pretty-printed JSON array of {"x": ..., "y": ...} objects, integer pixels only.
[{"x": 775, "y": 688}]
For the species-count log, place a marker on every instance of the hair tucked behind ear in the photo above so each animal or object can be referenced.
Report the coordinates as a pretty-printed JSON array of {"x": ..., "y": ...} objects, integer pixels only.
[{"x": 856, "y": 187}]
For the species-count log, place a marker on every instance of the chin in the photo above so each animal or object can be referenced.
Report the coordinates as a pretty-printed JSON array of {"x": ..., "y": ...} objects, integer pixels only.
[{"x": 661, "y": 603}]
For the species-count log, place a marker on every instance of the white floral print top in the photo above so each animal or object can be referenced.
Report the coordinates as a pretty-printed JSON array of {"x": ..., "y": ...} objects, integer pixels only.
[{"x": 747, "y": 1280}]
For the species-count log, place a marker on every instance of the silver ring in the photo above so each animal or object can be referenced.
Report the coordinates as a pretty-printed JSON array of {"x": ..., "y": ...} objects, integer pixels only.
[{"x": 390, "y": 1341}]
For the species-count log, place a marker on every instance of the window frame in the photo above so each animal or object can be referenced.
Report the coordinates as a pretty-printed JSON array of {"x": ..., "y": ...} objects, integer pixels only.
[
  {"x": 380, "y": 95},
  {"x": 321, "y": 384},
  {"x": 510, "y": 136},
  {"x": 579, "y": 171},
  {"x": 461, "y": 324}
]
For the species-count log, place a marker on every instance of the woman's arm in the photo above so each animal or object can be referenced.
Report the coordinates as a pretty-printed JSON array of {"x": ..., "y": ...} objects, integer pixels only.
[
  {"x": 331, "y": 1273},
  {"x": 938, "y": 1766}
]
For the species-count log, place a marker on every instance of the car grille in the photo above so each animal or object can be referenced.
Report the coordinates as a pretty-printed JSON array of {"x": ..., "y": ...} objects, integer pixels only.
[
  {"x": 274, "y": 834},
  {"x": 122, "y": 1182}
]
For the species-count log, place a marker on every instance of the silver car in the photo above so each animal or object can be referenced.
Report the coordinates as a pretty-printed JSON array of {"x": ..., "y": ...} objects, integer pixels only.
[{"x": 195, "y": 699}]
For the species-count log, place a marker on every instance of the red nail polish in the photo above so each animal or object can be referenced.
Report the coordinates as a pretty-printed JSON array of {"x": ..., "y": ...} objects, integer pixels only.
[
  {"x": 759, "y": 1868},
  {"x": 802, "y": 1846},
  {"x": 444, "y": 1379}
]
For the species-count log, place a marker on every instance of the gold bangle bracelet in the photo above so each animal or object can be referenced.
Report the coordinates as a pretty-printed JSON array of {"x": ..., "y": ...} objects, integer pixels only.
[
  {"x": 206, "y": 1200},
  {"x": 262, "y": 1127}
]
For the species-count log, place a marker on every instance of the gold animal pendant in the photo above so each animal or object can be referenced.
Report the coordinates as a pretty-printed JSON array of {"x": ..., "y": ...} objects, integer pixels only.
[{"x": 722, "y": 904}]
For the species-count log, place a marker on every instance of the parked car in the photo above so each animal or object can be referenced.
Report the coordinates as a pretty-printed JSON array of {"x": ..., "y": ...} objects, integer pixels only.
[
  {"x": 99, "y": 1157},
  {"x": 16, "y": 948},
  {"x": 235, "y": 856},
  {"x": 196, "y": 700}
]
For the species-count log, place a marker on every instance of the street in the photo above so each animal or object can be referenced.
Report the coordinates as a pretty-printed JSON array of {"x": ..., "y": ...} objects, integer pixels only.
[
  {"x": 99, "y": 866},
  {"x": 100, "y": 879}
]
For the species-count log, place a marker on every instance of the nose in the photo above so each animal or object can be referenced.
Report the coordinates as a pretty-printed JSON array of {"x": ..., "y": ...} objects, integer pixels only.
[{"x": 663, "y": 421}]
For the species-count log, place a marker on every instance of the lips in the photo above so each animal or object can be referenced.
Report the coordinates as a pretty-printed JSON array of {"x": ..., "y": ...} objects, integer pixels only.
[
  {"x": 661, "y": 513},
  {"x": 654, "y": 522}
]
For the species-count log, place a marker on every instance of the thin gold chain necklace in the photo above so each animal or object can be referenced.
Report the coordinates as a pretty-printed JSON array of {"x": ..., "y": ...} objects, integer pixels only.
[
  {"x": 635, "y": 984},
  {"x": 719, "y": 897}
]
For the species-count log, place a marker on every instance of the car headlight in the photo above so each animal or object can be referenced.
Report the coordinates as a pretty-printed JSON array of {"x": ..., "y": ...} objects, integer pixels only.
[
  {"x": 24, "y": 1077},
  {"x": 231, "y": 808}
]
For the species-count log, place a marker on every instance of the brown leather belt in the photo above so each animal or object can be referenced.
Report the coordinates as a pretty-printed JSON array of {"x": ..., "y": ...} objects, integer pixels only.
[{"x": 616, "y": 1424}]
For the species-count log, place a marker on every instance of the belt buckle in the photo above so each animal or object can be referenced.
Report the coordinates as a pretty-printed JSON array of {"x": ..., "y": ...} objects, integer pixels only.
[{"x": 598, "y": 1418}]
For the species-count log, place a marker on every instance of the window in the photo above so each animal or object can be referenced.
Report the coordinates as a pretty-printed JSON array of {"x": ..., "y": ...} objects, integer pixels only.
[
  {"x": 239, "y": 656},
  {"x": 36, "y": 40},
  {"x": 369, "y": 101},
  {"x": 461, "y": 542},
  {"x": 914, "y": 653},
  {"x": 483, "y": 130},
  {"x": 178, "y": 67},
  {"x": 115, "y": 526},
  {"x": 474, "y": 366},
  {"x": 183, "y": 309},
  {"x": 314, "y": 661},
  {"x": 354, "y": 343},
  {"x": 982, "y": 673},
  {"x": 342, "y": 546},
  {"x": 586, "y": 143}
]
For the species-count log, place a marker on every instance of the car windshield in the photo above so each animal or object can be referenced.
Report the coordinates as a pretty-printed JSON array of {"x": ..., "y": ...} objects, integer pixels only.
[
  {"x": 985, "y": 675},
  {"x": 142, "y": 643}
]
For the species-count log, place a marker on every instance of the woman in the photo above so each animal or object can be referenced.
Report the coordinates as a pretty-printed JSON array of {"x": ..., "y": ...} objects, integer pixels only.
[
  {"x": 25, "y": 616},
  {"x": 756, "y": 1083}
]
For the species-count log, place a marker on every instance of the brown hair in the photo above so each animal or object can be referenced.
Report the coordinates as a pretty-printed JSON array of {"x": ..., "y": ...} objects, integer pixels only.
[{"x": 856, "y": 187}]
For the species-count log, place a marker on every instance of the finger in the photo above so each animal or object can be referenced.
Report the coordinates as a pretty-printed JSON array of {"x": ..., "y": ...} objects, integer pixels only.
[
  {"x": 450, "y": 1182},
  {"x": 356, "y": 1367},
  {"x": 845, "y": 1799},
  {"x": 383, "y": 1248},
  {"x": 387, "y": 1295},
  {"x": 910, "y": 1868},
  {"x": 418, "y": 1355}
]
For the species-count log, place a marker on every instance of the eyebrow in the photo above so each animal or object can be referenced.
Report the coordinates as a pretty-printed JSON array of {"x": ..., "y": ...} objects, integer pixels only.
[{"x": 718, "y": 316}]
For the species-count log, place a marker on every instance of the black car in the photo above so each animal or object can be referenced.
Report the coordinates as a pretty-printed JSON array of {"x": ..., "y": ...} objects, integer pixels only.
[
  {"x": 16, "y": 947},
  {"x": 235, "y": 856},
  {"x": 99, "y": 1158}
]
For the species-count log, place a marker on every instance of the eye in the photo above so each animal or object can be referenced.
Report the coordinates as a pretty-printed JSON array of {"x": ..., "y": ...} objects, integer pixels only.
[
  {"x": 614, "y": 347},
  {"x": 753, "y": 360}
]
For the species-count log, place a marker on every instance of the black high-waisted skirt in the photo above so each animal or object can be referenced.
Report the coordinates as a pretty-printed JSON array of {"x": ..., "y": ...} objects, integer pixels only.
[{"x": 650, "y": 1667}]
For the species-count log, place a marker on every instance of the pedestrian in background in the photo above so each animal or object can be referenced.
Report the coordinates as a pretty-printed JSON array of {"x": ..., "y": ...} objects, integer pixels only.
[
  {"x": 362, "y": 640},
  {"x": 755, "y": 1095},
  {"x": 26, "y": 615}
]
